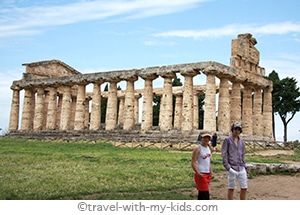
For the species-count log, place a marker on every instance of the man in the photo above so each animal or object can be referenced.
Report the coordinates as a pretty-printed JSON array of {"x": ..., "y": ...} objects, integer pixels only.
[
  {"x": 233, "y": 155},
  {"x": 201, "y": 165}
]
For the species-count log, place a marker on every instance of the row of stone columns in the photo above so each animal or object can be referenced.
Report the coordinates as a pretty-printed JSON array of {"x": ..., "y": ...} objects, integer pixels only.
[{"x": 44, "y": 110}]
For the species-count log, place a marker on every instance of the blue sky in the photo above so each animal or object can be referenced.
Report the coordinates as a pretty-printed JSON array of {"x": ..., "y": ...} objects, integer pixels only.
[{"x": 94, "y": 36}]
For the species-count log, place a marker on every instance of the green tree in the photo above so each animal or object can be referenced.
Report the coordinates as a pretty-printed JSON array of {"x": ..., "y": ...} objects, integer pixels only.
[
  {"x": 286, "y": 99},
  {"x": 273, "y": 76}
]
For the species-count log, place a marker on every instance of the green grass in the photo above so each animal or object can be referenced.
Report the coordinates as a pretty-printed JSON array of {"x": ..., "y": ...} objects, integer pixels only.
[{"x": 61, "y": 170}]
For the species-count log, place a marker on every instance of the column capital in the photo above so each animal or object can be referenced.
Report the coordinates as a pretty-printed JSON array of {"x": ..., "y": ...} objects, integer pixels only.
[
  {"x": 189, "y": 72},
  {"x": 148, "y": 76}
]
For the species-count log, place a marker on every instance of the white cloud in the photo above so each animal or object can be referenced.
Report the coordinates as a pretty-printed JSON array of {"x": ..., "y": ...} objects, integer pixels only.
[
  {"x": 235, "y": 29},
  {"x": 26, "y": 20}
]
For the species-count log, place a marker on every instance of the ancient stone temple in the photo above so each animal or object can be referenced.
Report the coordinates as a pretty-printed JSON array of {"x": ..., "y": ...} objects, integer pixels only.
[{"x": 56, "y": 98}]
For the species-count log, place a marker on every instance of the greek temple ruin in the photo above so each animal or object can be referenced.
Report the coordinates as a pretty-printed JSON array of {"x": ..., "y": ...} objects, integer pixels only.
[{"x": 56, "y": 100}]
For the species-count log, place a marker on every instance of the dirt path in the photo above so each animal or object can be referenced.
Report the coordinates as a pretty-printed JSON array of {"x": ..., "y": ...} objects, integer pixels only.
[{"x": 263, "y": 187}]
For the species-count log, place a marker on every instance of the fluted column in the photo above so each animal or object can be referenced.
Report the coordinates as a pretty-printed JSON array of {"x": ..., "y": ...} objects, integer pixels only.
[
  {"x": 136, "y": 108},
  {"x": 96, "y": 107},
  {"x": 257, "y": 112},
  {"x": 178, "y": 111},
  {"x": 87, "y": 113},
  {"x": 52, "y": 105},
  {"x": 46, "y": 102},
  {"x": 247, "y": 110},
  {"x": 80, "y": 108},
  {"x": 129, "y": 104},
  {"x": 166, "y": 103},
  {"x": 39, "y": 110},
  {"x": 235, "y": 103},
  {"x": 66, "y": 109},
  {"x": 210, "y": 103},
  {"x": 147, "y": 112},
  {"x": 267, "y": 112},
  {"x": 28, "y": 108},
  {"x": 73, "y": 111},
  {"x": 188, "y": 100},
  {"x": 111, "y": 110},
  {"x": 121, "y": 110},
  {"x": 14, "y": 111},
  {"x": 196, "y": 111},
  {"x": 58, "y": 110},
  {"x": 224, "y": 106}
]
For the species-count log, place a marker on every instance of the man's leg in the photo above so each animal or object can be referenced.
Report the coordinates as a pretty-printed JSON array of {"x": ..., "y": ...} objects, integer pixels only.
[
  {"x": 230, "y": 194},
  {"x": 243, "y": 194},
  {"x": 242, "y": 178}
]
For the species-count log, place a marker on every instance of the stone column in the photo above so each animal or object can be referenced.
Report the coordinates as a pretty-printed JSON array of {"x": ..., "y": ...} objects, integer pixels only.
[
  {"x": 196, "y": 111},
  {"x": 46, "y": 102},
  {"x": 188, "y": 100},
  {"x": 73, "y": 111},
  {"x": 224, "y": 106},
  {"x": 112, "y": 102},
  {"x": 14, "y": 110},
  {"x": 178, "y": 111},
  {"x": 87, "y": 112},
  {"x": 129, "y": 104},
  {"x": 136, "y": 107},
  {"x": 39, "y": 110},
  {"x": 235, "y": 103},
  {"x": 147, "y": 113},
  {"x": 96, "y": 107},
  {"x": 247, "y": 110},
  {"x": 66, "y": 109},
  {"x": 267, "y": 112},
  {"x": 80, "y": 108},
  {"x": 52, "y": 106},
  {"x": 121, "y": 110},
  {"x": 257, "y": 112},
  {"x": 166, "y": 103},
  {"x": 28, "y": 108},
  {"x": 58, "y": 109},
  {"x": 209, "y": 123}
]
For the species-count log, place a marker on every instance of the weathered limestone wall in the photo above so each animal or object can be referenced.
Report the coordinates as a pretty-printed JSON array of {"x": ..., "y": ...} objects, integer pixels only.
[{"x": 55, "y": 96}]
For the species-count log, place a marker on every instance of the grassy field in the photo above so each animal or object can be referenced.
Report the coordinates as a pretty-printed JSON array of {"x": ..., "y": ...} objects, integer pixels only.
[{"x": 60, "y": 170}]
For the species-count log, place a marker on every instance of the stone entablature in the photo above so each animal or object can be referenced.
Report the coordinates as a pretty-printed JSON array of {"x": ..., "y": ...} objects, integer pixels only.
[{"x": 55, "y": 96}]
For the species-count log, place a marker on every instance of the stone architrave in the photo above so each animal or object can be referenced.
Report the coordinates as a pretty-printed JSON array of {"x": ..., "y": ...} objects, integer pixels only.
[
  {"x": 66, "y": 109},
  {"x": 235, "y": 103},
  {"x": 28, "y": 107},
  {"x": 39, "y": 110},
  {"x": 209, "y": 123},
  {"x": 257, "y": 112},
  {"x": 111, "y": 109},
  {"x": 14, "y": 111},
  {"x": 129, "y": 104},
  {"x": 224, "y": 106},
  {"x": 178, "y": 111},
  {"x": 188, "y": 100},
  {"x": 147, "y": 112},
  {"x": 267, "y": 112},
  {"x": 166, "y": 103},
  {"x": 52, "y": 106},
  {"x": 247, "y": 110},
  {"x": 80, "y": 108}
]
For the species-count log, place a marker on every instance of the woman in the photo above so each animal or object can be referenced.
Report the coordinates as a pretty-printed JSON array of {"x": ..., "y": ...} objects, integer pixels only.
[{"x": 202, "y": 166}]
